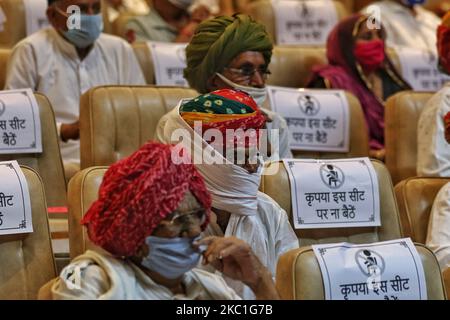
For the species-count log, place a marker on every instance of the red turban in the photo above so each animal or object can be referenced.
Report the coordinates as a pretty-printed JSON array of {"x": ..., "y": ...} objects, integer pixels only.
[{"x": 137, "y": 193}]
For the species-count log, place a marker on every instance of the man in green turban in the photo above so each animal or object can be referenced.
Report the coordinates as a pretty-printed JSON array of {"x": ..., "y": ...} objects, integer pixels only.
[{"x": 234, "y": 52}]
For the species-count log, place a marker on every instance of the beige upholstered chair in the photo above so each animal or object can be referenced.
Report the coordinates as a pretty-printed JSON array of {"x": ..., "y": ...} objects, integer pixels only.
[
  {"x": 144, "y": 57},
  {"x": 359, "y": 137},
  {"x": 27, "y": 259},
  {"x": 277, "y": 186},
  {"x": 415, "y": 197},
  {"x": 4, "y": 56},
  {"x": 402, "y": 114},
  {"x": 262, "y": 11},
  {"x": 83, "y": 191},
  {"x": 299, "y": 278},
  {"x": 116, "y": 120}
]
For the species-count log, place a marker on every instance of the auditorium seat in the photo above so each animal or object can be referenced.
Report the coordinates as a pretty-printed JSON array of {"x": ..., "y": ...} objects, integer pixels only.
[
  {"x": 116, "y": 120},
  {"x": 83, "y": 191},
  {"x": 402, "y": 112},
  {"x": 144, "y": 57},
  {"x": 298, "y": 275},
  {"x": 390, "y": 220},
  {"x": 262, "y": 11},
  {"x": 27, "y": 259},
  {"x": 4, "y": 56},
  {"x": 119, "y": 25},
  {"x": 49, "y": 166},
  {"x": 415, "y": 197}
]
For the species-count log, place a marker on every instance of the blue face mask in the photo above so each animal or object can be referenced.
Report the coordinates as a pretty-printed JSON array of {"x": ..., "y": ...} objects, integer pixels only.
[
  {"x": 91, "y": 27},
  {"x": 413, "y": 2},
  {"x": 170, "y": 257}
]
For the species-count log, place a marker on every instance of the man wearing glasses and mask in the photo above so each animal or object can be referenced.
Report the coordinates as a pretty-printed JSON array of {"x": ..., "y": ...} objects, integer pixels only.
[
  {"x": 234, "y": 53},
  {"x": 67, "y": 59},
  {"x": 148, "y": 217}
]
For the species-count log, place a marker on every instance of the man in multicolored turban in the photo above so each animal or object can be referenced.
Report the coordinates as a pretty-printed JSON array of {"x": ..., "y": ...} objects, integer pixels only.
[
  {"x": 238, "y": 208},
  {"x": 148, "y": 218},
  {"x": 434, "y": 152},
  {"x": 433, "y": 157},
  {"x": 234, "y": 52}
]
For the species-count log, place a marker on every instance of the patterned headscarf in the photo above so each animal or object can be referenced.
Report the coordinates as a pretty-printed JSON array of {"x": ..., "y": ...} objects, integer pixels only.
[
  {"x": 137, "y": 193},
  {"x": 218, "y": 41}
]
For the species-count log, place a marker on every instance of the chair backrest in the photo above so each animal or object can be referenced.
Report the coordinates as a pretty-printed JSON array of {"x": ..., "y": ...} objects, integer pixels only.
[
  {"x": 262, "y": 11},
  {"x": 292, "y": 66},
  {"x": 83, "y": 191},
  {"x": 415, "y": 197},
  {"x": 119, "y": 25},
  {"x": 299, "y": 278},
  {"x": 48, "y": 163},
  {"x": 359, "y": 137},
  {"x": 402, "y": 114},
  {"x": 27, "y": 259},
  {"x": 144, "y": 57},
  {"x": 14, "y": 28},
  {"x": 116, "y": 120},
  {"x": 390, "y": 220}
]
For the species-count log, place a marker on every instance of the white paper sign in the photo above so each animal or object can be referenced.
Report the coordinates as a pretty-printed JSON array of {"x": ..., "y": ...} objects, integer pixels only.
[
  {"x": 2, "y": 19},
  {"x": 304, "y": 22},
  {"x": 390, "y": 270},
  {"x": 419, "y": 69},
  {"x": 35, "y": 14},
  {"x": 169, "y": 60},
  {"x": 15, "y": 207},
  {"x": 338, "y": 193},
  {"x": 318, "y": 120},
  {"x": 20, "y": 124}
]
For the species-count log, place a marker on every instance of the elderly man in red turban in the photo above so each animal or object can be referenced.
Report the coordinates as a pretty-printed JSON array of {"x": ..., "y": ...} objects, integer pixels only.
[
  {"x": 148, "y": 218},
  {"x": 232, "y": 169}
]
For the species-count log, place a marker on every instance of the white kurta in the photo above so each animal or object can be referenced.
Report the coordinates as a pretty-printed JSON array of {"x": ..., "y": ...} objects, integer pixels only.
[
  {"x": 94, "y": 276},
  {"x": 438, "y": 235},
  {"x": 405, "y": 29},
  {"x": 433, "y": 151},
  {"x": 47, "y": 63},
  {"x": 255, "y": 217},
  {"x": 280, "y": 124}
]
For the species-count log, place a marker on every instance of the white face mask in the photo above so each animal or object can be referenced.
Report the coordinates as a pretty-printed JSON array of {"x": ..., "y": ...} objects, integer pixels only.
[{"x": 258, "y": 94}]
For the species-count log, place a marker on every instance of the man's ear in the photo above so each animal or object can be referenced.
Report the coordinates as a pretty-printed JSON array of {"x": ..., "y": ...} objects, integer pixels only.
[{"x": 52, "y": 16}]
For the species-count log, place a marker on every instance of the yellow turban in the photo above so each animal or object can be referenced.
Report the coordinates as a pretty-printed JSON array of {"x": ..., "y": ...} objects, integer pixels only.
[{"x": 218, "y": 41}]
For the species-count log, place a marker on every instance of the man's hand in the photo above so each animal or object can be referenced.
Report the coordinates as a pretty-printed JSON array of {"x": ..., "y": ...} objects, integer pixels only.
[
  {"x": 70, "y": 131},
  {"x": 235, "y": 259}
]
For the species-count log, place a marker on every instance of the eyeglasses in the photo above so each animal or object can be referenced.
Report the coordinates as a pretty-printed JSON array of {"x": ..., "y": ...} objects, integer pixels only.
[
  {"x": 182, "y": 222},
  {"x": 248, "y": 73}
]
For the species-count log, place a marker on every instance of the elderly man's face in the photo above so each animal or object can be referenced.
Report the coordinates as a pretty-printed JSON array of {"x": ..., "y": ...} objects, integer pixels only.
[{"x": 59, "y": 21}]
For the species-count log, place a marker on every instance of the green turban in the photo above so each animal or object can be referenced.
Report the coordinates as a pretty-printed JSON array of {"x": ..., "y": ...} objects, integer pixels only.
[{"x": 218, "y": 41}]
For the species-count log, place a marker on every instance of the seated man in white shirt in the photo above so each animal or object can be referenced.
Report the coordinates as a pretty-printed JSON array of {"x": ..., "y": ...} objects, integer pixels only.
[
  {"x": 408, "y": 24},
  {"x": 69, "y": 58},
  {"x": 148, "y": 217},
  {"x": 433, "y": 152}
]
